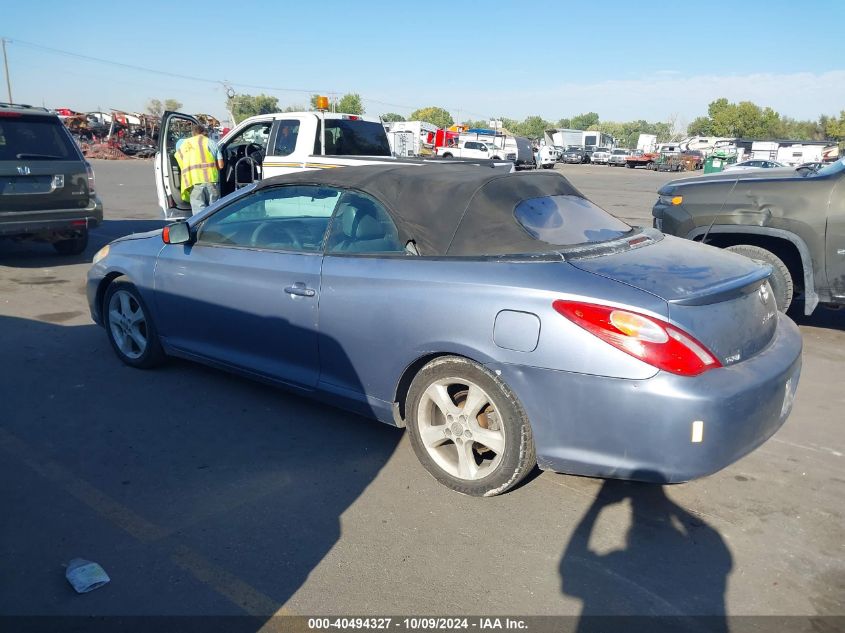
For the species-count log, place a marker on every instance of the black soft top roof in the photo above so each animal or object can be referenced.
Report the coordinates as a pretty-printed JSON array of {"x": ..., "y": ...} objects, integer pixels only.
[{"x": 462, "y": 210}]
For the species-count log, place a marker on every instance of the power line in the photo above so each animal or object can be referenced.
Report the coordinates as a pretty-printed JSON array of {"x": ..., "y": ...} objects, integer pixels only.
[
  {"x": 164, "y": 73},
  {"x": 110, "y": 62}
]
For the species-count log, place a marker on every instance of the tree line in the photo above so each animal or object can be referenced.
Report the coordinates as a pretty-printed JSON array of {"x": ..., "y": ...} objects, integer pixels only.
[
  {"x": 735, "y": 120},
  {"x": 243, "y": 106},
  {"x": 740, "y": 120},
  {"x": 748, "y": 120}
]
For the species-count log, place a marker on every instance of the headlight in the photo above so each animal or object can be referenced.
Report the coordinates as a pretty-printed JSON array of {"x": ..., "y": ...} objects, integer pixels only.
[
  {"x": 100, "y": 254},
  {"x": 671, "y": 200}
]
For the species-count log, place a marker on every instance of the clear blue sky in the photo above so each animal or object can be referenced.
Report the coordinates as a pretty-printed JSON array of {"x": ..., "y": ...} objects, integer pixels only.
[{"x": 625, "y": 60}]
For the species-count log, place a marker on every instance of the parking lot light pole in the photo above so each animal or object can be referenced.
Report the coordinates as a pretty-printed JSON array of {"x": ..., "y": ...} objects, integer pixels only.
[{"x": 6, "y": 66}]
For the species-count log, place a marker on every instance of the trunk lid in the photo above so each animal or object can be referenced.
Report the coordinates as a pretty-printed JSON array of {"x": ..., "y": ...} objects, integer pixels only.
[{"x": 720, "y": 298}]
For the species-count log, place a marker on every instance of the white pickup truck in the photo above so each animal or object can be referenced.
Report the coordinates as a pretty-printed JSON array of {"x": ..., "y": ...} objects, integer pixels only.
[
  {"x": 270, "y": 145},
  {"x": 471, "y": 149}
]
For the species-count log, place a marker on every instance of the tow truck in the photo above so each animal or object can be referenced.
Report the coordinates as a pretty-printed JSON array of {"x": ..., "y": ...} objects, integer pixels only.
[
  {"x": 274, "y": 144},
  {"x": 270, "y": 145}
]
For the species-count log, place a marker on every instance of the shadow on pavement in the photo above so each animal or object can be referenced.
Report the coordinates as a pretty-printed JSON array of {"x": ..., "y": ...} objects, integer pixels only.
[
  {"x": 31, "y": 254},
  {"x": 672, "y": 569},
  {"x": 822, "y": 317},
  {"x": 199, "y": 492}
]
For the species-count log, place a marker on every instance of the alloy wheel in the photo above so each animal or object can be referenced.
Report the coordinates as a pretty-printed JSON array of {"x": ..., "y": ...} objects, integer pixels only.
[
  {"x": 128, "y": 324},
  {"x": 460, "y": 428}
]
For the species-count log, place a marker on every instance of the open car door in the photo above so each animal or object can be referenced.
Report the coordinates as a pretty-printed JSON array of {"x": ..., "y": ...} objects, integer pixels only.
[{"x": 174, "y": 126}]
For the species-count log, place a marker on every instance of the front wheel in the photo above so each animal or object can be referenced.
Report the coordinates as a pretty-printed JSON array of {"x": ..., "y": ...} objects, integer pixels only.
[
  {"x": 467, "y": 428},
  {"x": 129, "y": 326},
  {"x": 781, "y": 279}
]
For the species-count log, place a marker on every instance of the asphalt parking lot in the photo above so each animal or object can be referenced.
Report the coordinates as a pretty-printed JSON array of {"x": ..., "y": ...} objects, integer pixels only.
[{"x": 203, "y": 493}]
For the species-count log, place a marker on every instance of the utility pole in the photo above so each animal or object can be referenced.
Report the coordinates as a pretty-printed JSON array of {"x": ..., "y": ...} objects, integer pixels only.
[{"x": 6, "y": 65}]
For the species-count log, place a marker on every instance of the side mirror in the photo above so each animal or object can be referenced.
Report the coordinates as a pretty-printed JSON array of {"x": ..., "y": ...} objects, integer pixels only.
[{"x": 177, "y": 233}]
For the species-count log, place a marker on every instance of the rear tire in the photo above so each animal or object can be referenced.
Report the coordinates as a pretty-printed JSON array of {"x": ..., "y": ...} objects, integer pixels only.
[
  {"x": 481, "y": 454},
  {"x": 781, "y": 279},
  {"x": 72, "y": 246}
]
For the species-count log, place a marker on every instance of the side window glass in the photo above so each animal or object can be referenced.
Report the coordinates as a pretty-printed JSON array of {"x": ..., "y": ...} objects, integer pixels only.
[
  {"x": 330, "y": 142},
  {"x": 293, "y": 218},
  {"x": 362, "y": 225},
  {"x": 286, "y": 137},
  {"x": 331, "y": 139}
]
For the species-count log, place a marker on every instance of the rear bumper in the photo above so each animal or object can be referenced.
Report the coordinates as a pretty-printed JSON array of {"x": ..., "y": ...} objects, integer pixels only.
[
  {"x": 51, "y": 220},
  {"x": 642, "y": 429}
]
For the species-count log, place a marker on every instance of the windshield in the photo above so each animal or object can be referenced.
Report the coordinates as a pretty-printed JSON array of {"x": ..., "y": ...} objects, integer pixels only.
[
  {"x": 620, "y": 152},
  {"x": 566, "y": 220},
  {"x": 602, "y": 149},
  {"x": 833, "y": 168},
  {"x": 35, "y": 137}
]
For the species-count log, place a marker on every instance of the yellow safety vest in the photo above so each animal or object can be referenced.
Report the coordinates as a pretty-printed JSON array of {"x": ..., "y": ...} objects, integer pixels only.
[{"x": 197, "y": 164}]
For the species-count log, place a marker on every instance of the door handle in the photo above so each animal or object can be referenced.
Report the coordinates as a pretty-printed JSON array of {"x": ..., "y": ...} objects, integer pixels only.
[{"x": 298, "y": 289}]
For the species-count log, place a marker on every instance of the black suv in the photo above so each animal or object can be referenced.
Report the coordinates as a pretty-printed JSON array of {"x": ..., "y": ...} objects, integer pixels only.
[
  {"x": 790, "y": 219},
  {"x": 46, "y": 185}
]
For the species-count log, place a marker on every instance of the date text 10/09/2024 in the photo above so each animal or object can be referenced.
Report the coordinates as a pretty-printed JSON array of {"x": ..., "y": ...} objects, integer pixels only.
[{"x": 417, "y": 624}]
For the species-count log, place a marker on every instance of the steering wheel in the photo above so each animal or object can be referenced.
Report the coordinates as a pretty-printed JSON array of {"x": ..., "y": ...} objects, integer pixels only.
[
  {"x": 254, "y": 151},
  {"x": 270, "y": 232}
]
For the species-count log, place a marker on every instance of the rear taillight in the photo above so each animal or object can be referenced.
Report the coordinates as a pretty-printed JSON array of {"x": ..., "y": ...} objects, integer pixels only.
[
  {"x": 650, "y": 339},
  {"x": 90, "y": 171}
]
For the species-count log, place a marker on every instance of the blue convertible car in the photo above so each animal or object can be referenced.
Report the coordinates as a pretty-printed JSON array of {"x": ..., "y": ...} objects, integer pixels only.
[{"x": 503, "y": 318}]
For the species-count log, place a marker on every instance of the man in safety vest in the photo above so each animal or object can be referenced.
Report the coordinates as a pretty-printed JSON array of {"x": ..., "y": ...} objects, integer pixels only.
[{"x": 199, "y": 159}]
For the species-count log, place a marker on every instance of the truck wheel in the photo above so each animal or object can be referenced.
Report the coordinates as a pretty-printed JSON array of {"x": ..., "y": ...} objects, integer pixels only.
[
  {"x": 781, "y": 279},
  {"x": 468, "y": 429},
  {"x": 72, "y": 246},
  {"x": 447, "y": 155}
]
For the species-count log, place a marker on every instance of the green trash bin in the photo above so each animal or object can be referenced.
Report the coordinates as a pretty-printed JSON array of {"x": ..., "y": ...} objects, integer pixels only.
[{"x": 717, "y": 161}]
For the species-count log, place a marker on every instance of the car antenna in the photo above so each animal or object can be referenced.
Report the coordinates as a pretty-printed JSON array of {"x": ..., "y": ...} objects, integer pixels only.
[{"x": 713, "y": 221}]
